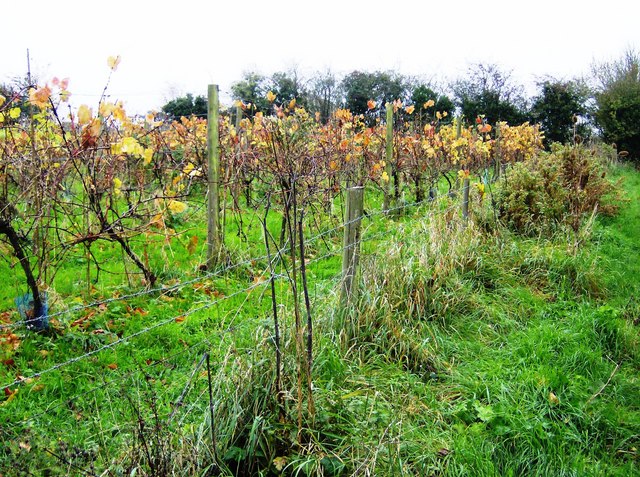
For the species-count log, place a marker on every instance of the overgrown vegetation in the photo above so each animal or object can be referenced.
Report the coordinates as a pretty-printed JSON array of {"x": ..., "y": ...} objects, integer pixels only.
[{"x": 469, "y": 352}]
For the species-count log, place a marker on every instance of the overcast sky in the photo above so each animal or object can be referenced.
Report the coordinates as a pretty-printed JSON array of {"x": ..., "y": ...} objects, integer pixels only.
[{"x": 172, "y": 48}]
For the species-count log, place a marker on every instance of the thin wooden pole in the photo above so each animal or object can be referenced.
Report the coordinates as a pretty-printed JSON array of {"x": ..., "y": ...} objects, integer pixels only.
[
  {"x": 465, "y": 199},
  {"x": 388, "y": 157},
  {"x": 351, "y": 242},
  {"x": 498, "y": 154},
  {"x": 213, "y": 178}
]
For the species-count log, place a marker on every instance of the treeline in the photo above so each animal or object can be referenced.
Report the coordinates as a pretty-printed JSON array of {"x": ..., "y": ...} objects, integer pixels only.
[{"x": 604, "y": 104}]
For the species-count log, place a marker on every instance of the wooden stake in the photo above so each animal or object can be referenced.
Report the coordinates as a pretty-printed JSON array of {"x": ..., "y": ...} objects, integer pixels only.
[
  {"x": 351, "y": 242},
  {"x": 388, "y": 158},
  {"x": 213, "y": 179}
]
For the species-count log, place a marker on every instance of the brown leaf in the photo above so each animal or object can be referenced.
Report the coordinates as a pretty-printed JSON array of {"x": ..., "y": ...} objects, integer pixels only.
[
  {"x": 180, "y": 319},
  {"x": 192, "y": 245},
  {"x": 25, "y": 445},
  {"x": 444, "y": 452},
  {"x": 112, "y": 366}
]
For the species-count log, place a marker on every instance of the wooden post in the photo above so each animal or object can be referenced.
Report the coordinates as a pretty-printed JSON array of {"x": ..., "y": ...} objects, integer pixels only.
[
  {"x": 213, "y": 178},
  {"x": 465, "y": 199},
  {"x": 388, "y": 157},
  {"x": 351, "y": 242},
  {"x": 498, "y": 154}
]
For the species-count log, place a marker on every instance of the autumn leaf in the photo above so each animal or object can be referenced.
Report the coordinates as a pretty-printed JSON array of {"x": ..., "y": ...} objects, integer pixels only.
[
  {"x": 180, "y": 319},
  {"x": 11, "y": 395},
  {"x": 371, "y": 104},
  {"x": 25, "y": 445},
  {"x": 112, "y": 366},
  {"x": 385, "y": 176},
  {"x": 271, "y": 97},
  {"x": 147, "y": 156},
  {"x": 292, "y": 104},
  {"x": 113, "y": 62},
  {"x": 192, "y": 245},
  {"x": 14, "y": 113},
  {"x": 553, "y": 399},
  {"x": 410, "y": 109},
  {"x": 279, "y": 463},
  {"x": 84, "y": 114},
  {"x": 428, "y": 104},
  {"x": 117, "y": 184},
  {"x": 176, "y": 207},
  {"x": 40, "y": 97}
]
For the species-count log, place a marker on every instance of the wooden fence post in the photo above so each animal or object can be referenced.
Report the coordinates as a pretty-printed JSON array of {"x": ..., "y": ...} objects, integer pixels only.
[
  {"x": 498, "y": 154},
  {"x": 351, "y": 242},
  {"x": 213, "y": 178},
  {"x": 388, "y": 158},
  {"x": 465, "y": 200}
]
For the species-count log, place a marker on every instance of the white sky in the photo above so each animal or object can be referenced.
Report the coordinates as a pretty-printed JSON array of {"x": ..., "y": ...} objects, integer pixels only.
[{"x": 175, "y": 47}]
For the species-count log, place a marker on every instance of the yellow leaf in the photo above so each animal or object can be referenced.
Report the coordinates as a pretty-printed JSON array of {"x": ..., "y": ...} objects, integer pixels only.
[
  {"x": 428, "y": 104},
  {"x": 553, "y": 399},
  {"x": 148, "y": 155},
  {"x": 292, "y": 103},
  {"x": 117, "y": 183},
  {"x": 188, "y": 168},
  {"x": 271, "y": 97},
  {"x": 84, "y": 114},
  {"x": 176, "y": 207},
  {"x": 2, "y": 100},
  {"x": 14, "y": 113},
  {"x": 279, "y": 463},
  {"x": 113, "y": 62},
  {"x": 40, "y": 97},
  {"x": 385, "y": 176},
  {"x": 410, "y": 109}
]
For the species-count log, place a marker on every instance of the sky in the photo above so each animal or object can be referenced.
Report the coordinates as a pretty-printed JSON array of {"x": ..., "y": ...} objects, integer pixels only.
[{"x": 172, "y": 48}]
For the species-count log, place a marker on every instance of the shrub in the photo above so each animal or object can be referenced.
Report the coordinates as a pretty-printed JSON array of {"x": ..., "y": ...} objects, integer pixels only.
[{"x": 556, "y": 190}]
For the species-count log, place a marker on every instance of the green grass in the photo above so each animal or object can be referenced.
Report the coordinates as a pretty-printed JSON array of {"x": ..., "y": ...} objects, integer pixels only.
[{"x": 467, "y": 352}]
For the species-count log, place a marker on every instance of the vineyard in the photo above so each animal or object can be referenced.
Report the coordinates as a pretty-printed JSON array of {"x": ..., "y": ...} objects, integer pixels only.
[{"x": 250, "y": 294}]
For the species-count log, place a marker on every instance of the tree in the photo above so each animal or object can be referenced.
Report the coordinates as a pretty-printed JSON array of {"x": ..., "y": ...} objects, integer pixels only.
[
  {"x": 288, "y": 86},
  {"x": 186, "y": 106},
  {"x": 359, "y": 87},
  {"x": 490, "y": 92},
  {"x": 252, "y": 90},
  {"x": 618, "y": 102},
  {"x": 557, "y": 109},
  {"x": 423, "y": 94},
  {"x": 323, "y": 94}
]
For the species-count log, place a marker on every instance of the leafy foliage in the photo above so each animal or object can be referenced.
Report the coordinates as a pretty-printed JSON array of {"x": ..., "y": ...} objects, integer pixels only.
[
  {"x": 382, "y": 87},
  {"x": 186, "y": 106},
  {"x": 489, "y": 92},
  {"x": 618, "y": 101},
  {"x": 554, "y": 190},
  {"x": 558, "y": 109}
]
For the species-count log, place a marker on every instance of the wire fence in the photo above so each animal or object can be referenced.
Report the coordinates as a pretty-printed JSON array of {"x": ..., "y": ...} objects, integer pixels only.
[
  {"x": 187, "y": 393},
  {"x": 219, "y": 271}
]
